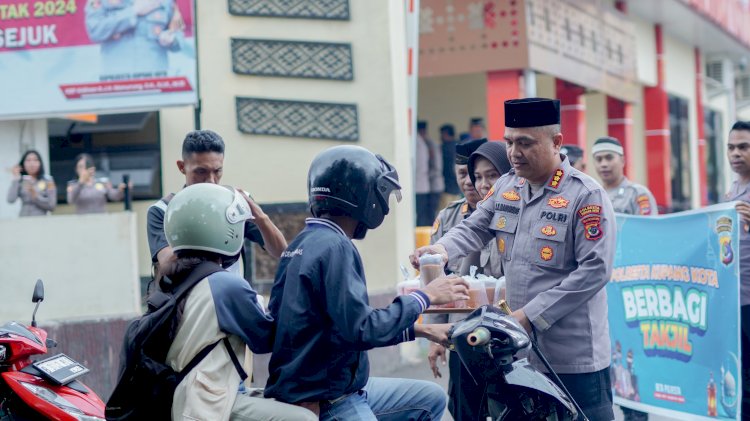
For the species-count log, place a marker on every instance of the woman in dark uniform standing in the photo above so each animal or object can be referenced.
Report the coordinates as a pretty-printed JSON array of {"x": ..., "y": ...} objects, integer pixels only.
[
  {"x": 88, "y": 194},
  {"x": 36, "y": 190}
]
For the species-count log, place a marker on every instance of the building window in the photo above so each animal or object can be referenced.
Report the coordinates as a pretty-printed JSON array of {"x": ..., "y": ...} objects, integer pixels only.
[
  {"x": 714, "y": 155},
  {"x": 119, "y": 143},
  {"x": 679, "y": 127}
]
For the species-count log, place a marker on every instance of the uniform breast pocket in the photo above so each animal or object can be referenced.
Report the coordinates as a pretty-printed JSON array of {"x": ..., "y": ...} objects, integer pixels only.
[
  {"x": 504, "y": 226},
  {"x": 549, "y": 244}
]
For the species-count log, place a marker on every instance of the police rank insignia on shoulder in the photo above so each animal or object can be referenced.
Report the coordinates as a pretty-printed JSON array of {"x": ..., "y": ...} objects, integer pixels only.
[
  {"x": 558, "y": 202},
  {"x": 592, "y": 221},
  {"x": 435, "y": 226},
  {"x": 644, "y": 204},
  {"x": 489, "y": 193},
  {"x": 546, "y": 253},
  {"x": 501, "y": 222},
  {"x": 557, "y": 178},
  {"x": 501, "y": 245},
  {"x": 511, "y": 195},
  {"x": 465, "y": 208}
]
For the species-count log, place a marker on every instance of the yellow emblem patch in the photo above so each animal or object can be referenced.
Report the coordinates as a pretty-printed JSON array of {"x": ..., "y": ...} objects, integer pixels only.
[
  {"x": 42, "y": 185},
  {"x": 511, "y": 195},
  {"x": 435, "y": 226},
  {"x": 558, "y": 202},
  {"x": 99, "y": 186},
  {"x": 501, "y": 245},
  {"x": 501, "y": 222},
  {"x": 465, "y": 209},
  {"x": 546, "y": 253},
  {"x": 549, "y": 230}
]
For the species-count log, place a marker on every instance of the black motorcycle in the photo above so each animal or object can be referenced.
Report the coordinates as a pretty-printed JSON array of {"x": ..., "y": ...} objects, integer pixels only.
[{"x": 487, "y": 343}]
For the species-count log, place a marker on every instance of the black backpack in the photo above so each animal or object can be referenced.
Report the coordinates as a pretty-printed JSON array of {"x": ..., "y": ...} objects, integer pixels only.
[{"x": 146, "y": 384}]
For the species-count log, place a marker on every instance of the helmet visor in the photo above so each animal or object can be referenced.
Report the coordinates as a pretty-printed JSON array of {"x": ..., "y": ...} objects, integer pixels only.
[
  {"x": 239, "y": 210},
  {"x": 388, "y": 182}
]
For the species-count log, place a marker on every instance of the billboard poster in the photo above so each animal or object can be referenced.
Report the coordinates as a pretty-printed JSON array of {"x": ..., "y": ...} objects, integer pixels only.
[
  {"x": 95, "y": 56},
  {"x": 674, "y": 314}
]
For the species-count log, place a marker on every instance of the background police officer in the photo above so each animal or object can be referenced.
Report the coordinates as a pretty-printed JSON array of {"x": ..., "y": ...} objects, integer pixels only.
[
  {"x": 738, "y": 154},
  {"x": 575, "y": 156},
  {"x": 626, "y": 196},
  {"x": 554, "y": 228}
]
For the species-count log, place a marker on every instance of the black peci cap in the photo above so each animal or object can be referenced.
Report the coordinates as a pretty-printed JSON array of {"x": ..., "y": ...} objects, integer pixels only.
[
  {"x": 421, "y": 125},
  {"x": 465, "y": 148},
  {"x": 574, "y": 153},
  {"x": 531, "y": 112}
]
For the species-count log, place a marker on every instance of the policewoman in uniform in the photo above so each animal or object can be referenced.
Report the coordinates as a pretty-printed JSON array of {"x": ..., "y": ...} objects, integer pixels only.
[
  {"x": 36, "y": 190},
  {"x": 135, "y": 35},
  {"x": 626, "y": 196},
  {"x": 554, "y": 228},
  {"x": 482, "y": 169},
  {"x": 90, "y": 195}
]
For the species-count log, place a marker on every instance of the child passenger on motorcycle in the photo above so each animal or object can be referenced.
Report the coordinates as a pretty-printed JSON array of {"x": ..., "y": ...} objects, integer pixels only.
[{"x": 204, "y": 223}]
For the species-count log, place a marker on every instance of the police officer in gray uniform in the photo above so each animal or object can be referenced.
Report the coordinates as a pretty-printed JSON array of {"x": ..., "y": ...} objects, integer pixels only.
[
  {"x": 135, "y": 35},
  {"x": 554, "y": 228},
  {"x": 626, "y": 196},
  {"x": 458, "y": 210}
]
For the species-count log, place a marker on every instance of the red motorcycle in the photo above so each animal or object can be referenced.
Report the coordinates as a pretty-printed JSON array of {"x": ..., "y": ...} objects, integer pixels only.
[{"x": 46, "y": 388}]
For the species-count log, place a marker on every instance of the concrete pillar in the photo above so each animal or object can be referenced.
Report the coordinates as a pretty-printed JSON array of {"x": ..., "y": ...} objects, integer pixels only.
[
  {"x": 572, "y": 113},
  {"x": 501, "y": 86},
  {"x": 658, "y": 147}
]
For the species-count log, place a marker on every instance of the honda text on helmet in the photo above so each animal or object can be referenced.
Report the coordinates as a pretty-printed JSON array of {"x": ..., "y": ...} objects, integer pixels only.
[{"x": 352, "y": 181}]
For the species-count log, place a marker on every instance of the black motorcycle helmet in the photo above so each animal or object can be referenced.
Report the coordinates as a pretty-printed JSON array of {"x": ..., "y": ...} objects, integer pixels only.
[{"x": 352, "y": 181}]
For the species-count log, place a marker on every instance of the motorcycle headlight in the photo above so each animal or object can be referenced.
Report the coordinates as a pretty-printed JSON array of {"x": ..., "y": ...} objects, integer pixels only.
[{"x": 57, "y": 400}]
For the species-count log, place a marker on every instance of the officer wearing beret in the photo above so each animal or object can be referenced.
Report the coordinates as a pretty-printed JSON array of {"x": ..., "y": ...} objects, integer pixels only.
[
  {"x": 626, "y": 196},
  {"x": 575, "y": 157},
  {"x": 554, "y": 228},
  {"x": 130, "y": 29}
]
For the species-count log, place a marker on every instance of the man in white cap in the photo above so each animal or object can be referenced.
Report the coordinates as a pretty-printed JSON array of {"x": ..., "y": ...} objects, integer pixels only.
[{"x": 626, "y": 196}]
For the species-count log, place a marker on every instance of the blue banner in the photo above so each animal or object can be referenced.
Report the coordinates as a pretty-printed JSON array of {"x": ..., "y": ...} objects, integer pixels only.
[{"x": 674, "y": 314}]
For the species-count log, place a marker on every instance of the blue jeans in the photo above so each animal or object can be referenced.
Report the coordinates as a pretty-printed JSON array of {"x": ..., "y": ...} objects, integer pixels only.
[{"x": 386, "y": 399}]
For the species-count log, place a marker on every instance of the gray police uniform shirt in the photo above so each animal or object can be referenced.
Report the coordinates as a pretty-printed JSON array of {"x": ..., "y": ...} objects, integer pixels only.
[
  {"x": 632, "y": 199},
  {"x": 742, "y": 193},
  {"x": 488, "y": 259},
  {"x": 124, "y": 36},
  {"x": 92, "y": 198},
  {"x": 45, "y": 200},
  {"x": 557, "y": 247}
]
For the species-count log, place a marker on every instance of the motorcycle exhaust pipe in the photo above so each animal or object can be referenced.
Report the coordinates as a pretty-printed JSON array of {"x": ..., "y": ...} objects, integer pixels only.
[{"x": 480, "y": 336}]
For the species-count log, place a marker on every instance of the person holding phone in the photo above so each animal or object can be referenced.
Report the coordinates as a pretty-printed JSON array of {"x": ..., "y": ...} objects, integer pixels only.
[{"x": 36, "y": 190}]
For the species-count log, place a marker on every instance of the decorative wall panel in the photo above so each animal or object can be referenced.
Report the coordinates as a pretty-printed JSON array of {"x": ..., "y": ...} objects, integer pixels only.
[
  {"x": 317, "y": 60},
  {"x": 317, "y": 120},
  {"x": 306, "y": 9}
]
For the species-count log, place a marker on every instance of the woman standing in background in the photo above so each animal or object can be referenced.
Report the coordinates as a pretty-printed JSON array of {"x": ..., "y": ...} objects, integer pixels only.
[
  {"x": 36, "y": 190},
  {"x": 89, "y": 194}
]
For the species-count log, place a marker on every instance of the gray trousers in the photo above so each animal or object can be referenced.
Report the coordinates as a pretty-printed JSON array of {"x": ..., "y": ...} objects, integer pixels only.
[{"x": 252, "y": 406}]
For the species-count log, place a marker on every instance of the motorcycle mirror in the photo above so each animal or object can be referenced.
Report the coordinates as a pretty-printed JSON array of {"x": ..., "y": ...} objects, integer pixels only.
[{"x": 38, "y": 292}]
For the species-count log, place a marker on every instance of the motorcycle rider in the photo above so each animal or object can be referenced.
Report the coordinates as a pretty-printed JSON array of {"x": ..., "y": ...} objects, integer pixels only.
[
  {"x": 319, "y": 300},
  {"x": 205, "y": 222}
]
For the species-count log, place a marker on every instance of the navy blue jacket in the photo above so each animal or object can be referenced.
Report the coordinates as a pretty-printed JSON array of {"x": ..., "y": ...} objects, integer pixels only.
[{"x": 324, "y": 323}]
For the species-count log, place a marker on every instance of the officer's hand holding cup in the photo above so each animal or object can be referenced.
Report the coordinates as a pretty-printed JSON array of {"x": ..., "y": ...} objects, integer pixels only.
[{"x": 432, "y": 249}]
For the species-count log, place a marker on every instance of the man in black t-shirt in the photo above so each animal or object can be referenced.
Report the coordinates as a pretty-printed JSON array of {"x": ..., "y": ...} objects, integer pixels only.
[{"x": 202, "y": 162}]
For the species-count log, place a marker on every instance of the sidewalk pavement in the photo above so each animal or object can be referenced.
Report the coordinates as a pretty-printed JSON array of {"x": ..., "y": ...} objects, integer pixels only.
[{"x": 420, "y": 370}]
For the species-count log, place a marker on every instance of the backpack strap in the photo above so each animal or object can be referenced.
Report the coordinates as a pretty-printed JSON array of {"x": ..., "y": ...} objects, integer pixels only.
[
  {"x": 235, "y": 361},
  {"x": 199, "y": 273}
]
